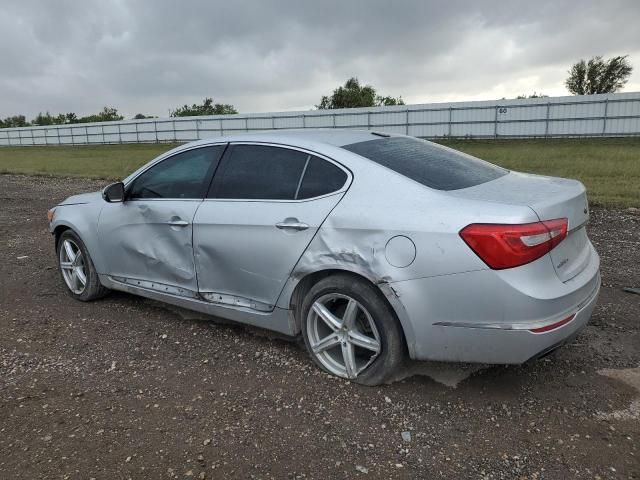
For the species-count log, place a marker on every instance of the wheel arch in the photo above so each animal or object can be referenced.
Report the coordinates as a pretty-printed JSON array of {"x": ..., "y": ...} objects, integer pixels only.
[
  {"x": 84, "y": 227},
  {"x": 306, "y": 282},
  {"x": 58, "y": 231}
]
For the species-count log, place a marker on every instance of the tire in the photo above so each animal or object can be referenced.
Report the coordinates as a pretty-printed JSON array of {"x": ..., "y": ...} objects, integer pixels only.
[
  {"x": 74, "y": 268},
  {"x": 340, "y": 334}
]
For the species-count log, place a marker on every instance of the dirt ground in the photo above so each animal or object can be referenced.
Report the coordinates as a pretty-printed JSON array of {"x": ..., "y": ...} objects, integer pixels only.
[{"x": 128, "y": 388}]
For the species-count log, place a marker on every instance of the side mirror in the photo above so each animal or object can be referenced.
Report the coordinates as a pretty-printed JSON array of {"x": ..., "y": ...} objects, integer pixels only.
[{"x": 114, "y": 193}]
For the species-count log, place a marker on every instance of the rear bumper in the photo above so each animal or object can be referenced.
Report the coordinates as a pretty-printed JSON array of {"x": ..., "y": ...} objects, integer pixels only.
[{"x": 479, "y": 317}]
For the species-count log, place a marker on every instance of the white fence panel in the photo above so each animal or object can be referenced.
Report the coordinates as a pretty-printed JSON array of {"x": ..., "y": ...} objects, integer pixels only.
[
  {"x": 529, "y": 129},
  {"x": 319, "y": 121},
  {"x": 429, "y": 131},
  {"x": 354, "y": 120},
  {"x": 591, "y": 115},
  {"x": 575, "y": 127},
  {"x": 261, "y": 123},
  {"x": 623, "y": 126}
]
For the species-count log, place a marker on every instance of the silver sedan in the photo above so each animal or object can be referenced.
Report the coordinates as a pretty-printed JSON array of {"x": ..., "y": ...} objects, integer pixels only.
[{"x": 373, "y": 247}]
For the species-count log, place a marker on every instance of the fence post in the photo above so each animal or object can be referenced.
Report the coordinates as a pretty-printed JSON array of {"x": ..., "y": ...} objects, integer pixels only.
[
  {"x": 102, "y": 131},
  {"x": 155, "y": 129},
  {"x": 546, "y": 123},
  {"x": 407, "y": 122},
  {"x": 137, "y": 134},
  {"x": 304, "y": 122},
  {"x": 368, "y": 119},
  {"x": 334, "y": 120},
  {"x": 495, "y": 122},
  {"x": 119, "y": 134},
  {"x": 72, "y": 139},
  {"x": 604, "y": 119},
  {"x": 246, "y": 124},
  {"x": 86, "y": 133},
  {"x": 198, "y": 129},
  {"x": 33, "y": 141},
  {"x": 273, "y": 122},
  {"x": 20, "y": 137}
]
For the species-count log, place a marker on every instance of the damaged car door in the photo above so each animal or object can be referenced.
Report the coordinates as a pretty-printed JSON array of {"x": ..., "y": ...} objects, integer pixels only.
[
  {"x": 265, "y": 205},
  {"x": 147, "y": 239}
]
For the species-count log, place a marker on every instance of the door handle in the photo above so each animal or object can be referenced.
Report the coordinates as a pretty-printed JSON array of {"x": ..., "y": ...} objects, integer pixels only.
[
  {"x": 178, "y": 223},
  {"x": 292, "y": 224}
]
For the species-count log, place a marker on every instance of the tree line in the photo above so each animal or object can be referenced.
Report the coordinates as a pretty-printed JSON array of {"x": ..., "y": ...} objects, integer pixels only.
[{"x": 585, "y": 78}]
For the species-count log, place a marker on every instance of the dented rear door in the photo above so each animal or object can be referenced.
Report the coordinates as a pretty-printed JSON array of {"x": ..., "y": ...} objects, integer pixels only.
[{"x": 264, "y": 208}]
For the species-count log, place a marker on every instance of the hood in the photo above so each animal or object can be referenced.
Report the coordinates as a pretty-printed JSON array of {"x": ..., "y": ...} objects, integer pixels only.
[{"x": 82, "y": 198}]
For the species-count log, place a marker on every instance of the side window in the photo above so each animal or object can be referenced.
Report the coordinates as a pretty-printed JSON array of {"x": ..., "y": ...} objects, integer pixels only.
[
  {"x": 184, "y": 175},
  {"x": 260, "y": 172},
  {"x": 320, "y": 178}
]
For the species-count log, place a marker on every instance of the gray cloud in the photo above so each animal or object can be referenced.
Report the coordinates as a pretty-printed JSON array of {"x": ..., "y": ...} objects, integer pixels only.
[{"x": 282, "y": 55}]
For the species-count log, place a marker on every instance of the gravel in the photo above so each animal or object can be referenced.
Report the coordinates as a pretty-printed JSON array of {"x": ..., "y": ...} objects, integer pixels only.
[{"x": 129, "y": 388}]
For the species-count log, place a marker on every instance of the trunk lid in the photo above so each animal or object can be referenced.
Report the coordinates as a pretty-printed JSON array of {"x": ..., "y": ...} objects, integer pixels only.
[{"x": 549, "y": 198}]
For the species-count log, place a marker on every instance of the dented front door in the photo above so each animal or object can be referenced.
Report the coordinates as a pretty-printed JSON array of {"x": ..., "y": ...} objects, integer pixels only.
[{"x": 150, "y": 241}]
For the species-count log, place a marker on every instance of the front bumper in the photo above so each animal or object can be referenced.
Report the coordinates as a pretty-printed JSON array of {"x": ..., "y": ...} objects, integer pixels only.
[{"x": 477, "y": 317}]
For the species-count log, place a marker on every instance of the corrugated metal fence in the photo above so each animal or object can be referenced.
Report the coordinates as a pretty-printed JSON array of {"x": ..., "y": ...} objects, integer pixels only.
[{"x": 590, "y": 115}]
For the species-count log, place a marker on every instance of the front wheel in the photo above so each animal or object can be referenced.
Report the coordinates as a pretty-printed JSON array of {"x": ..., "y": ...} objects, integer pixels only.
[
  {"x": 351, "y": 331},
  {"x": 77, "y": 270}
]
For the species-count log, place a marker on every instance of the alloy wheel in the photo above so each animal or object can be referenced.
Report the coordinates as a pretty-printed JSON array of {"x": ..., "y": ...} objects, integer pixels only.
[
  {"x": 342, "y": 335},
  {"x": 72, "y": 266}
]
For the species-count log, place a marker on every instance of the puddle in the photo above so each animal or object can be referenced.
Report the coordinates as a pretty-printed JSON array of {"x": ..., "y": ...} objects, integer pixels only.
[
  {"x": 447, "y": 374},
  {"x": 630, "y": 376}
]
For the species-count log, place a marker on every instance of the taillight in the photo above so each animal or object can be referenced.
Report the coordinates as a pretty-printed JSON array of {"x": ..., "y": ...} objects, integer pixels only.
[{"x": 506, "y": 246}]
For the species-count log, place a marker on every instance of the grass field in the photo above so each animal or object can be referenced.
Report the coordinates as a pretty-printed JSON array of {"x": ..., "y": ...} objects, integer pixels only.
[{"x": 609, "y": 167}]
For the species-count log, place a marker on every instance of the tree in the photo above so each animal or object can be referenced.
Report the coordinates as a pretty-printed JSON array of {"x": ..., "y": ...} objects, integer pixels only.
[
  {"x": 598, "y": 75},
  {"x": 108, "y": 114},
  {"x": 142, "y": 116},
  {"x": 533, "y": 95},
  {"x": 14, "y": 121},
  {"x": 207, "y": 108},
  {"x": 70, "y": 117},
  {"x": 353, "y": 95},
  {"x": 43, "y": 119},
  {"x": 60, "y": 119}
]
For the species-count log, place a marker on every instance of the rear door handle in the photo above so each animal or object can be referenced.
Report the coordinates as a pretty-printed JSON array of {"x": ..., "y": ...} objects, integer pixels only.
[
  {"x": 178, "y": 223},
  {"x": 292, "y": 224}
]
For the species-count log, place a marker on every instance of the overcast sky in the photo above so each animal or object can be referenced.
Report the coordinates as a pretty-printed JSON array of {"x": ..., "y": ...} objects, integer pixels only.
[{"x": 150, "y": 56}]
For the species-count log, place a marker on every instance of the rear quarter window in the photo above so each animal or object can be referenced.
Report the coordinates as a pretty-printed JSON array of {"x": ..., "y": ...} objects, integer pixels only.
[
  {"x": 432, "y": 165},
  {"x": 320, "y": 178}
]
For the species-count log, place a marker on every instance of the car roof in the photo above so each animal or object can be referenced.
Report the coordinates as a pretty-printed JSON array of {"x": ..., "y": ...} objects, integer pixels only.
[
  {"x": 312, "y": 138},
  {"x": 330, "y": 136}
]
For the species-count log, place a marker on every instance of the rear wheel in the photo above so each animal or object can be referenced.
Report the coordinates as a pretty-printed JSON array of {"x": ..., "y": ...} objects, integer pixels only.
[
  {"x": 351, "y": 331},
  {"x": 77, "y": 270}
]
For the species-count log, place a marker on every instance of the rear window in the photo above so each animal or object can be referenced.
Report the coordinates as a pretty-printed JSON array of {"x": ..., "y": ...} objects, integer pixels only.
[{"x": 430, "y": 164}]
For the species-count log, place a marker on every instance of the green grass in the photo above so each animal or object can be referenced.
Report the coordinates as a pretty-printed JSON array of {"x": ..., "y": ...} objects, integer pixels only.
[
  {"x": 90, "y": 161},
  {"x": 609, "y": 167}
]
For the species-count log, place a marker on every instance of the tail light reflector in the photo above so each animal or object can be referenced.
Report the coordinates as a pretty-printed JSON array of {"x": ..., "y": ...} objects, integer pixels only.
[
  {"x": 553, "y": 326},
  {"x": 503, "y": 246}
]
